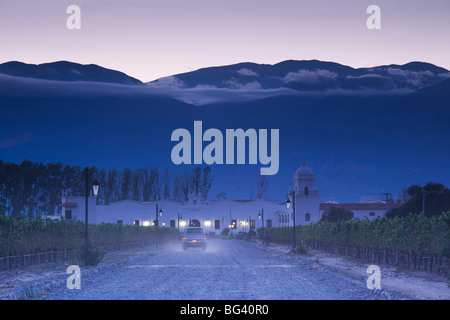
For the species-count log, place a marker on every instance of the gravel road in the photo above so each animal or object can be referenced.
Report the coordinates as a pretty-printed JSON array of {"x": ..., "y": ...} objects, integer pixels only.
[{"x": 227, "y": 270}]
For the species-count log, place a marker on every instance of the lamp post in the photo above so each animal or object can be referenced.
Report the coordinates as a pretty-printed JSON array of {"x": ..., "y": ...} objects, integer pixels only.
[
  {"x": 261, "y": 217},
  {"x": 288, "y": 205},
  {"x": 160, "y": 213},
  {"x": 95, "y": 186},
  {"x": 179, "y": 218}
]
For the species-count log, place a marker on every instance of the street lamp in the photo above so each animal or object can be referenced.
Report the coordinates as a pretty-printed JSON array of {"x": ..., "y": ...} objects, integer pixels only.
[
  {"x": 95, "y": 187},
  {"x": 179, "y": 218},
  {"x": 288, "y": 206},
  {"x": 160, "y": 213},
  {"x": 261, "y": 217},
  {"x": 288, "y": 203}
]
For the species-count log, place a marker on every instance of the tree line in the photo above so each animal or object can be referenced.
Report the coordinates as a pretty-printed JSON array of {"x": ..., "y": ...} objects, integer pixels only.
[
  {"x": 432, "y": 199},
  {"x": 32, "y": 189}
]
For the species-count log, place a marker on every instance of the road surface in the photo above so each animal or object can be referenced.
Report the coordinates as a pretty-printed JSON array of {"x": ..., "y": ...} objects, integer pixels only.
[{"x": 227, "y": 270}]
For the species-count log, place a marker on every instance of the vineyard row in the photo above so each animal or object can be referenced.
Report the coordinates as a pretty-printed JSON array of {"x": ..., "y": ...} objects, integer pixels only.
[
  {"x": 24, "y": 237},
  {"x": 414, "y": 242}
]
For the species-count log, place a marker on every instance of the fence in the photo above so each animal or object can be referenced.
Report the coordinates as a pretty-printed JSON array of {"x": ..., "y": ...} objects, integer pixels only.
[
  {"x": 26, "y": 260},
  {"x": 409, "y": 260},
  {"x": 28, "y": 242},
  {"x": 413, "y": 242}
]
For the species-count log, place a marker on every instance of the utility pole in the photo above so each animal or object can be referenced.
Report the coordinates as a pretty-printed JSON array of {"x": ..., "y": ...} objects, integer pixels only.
[
  {"x": 261, "y": 216},
  {"x": 423, "y": 201},
  {"x": 86, "y": 201},
  {"x": 387, "y": 200}
]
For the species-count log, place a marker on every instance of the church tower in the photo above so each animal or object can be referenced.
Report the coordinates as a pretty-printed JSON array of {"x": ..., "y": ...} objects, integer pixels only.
[{"x": 307, "y": 198}]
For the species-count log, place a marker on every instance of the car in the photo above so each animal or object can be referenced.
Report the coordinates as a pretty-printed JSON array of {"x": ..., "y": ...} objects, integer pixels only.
[{"x": 193, "y": 237}]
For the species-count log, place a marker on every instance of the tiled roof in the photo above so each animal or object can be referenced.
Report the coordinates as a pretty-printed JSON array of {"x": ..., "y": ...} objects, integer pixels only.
[
  {"x": 69, "y": 204},
  {"x": 359, "y": 206}
]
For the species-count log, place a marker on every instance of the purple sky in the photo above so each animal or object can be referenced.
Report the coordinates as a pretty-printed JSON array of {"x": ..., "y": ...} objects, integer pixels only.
[{"x": 149, "y": 39}]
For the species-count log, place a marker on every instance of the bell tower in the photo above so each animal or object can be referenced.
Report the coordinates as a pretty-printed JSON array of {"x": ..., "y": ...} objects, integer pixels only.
[{"x": 307, "y": 198}]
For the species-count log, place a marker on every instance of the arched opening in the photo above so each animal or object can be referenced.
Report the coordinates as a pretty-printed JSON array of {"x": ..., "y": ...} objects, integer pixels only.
[
  {"x": 306, "y": 191},
  {"x": 307, "y": 217},
  {"x": 194, "y": 223}
]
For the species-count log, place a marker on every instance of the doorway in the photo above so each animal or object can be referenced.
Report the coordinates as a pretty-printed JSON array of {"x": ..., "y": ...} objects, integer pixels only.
[{"x": 194, "y": 223}]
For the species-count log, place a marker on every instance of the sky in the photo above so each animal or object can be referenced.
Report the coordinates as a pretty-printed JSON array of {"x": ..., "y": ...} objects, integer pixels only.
[{"x": 150, "y": 39}]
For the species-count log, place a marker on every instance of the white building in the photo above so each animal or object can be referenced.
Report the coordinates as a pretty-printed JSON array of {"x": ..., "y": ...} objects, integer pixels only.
[{"x": 215, "y": 215}]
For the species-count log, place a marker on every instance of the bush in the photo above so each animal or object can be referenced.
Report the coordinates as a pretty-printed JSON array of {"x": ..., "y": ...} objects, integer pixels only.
[
  {"x": 88, "y": 255},
  {"x": 301, "y": 248},
  {"x": 225, "y": 231},
  {"x": 241, "y": 235}
]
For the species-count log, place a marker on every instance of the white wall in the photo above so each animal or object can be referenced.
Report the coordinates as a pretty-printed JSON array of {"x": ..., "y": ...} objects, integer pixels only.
[
  {"x": 205, "y": 212},
  {"x": 78, "y": 212}
]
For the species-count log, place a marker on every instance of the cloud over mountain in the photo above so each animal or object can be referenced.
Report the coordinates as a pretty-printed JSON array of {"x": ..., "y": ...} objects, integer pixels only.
[
  {"x": 233, "y": 83},
  {"x": 303, "y": 77},
  {"x": 310, "y": 76},
  {"x": 246, "y": 72}
]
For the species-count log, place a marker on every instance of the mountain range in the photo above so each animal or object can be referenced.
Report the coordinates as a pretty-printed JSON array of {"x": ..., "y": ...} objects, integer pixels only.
[
  {"x": 310, "y": 75},
  {"x": 363, "y": 131},
  {"x": 66, "y": 71},
  {"x": 284, "y": 78}
]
